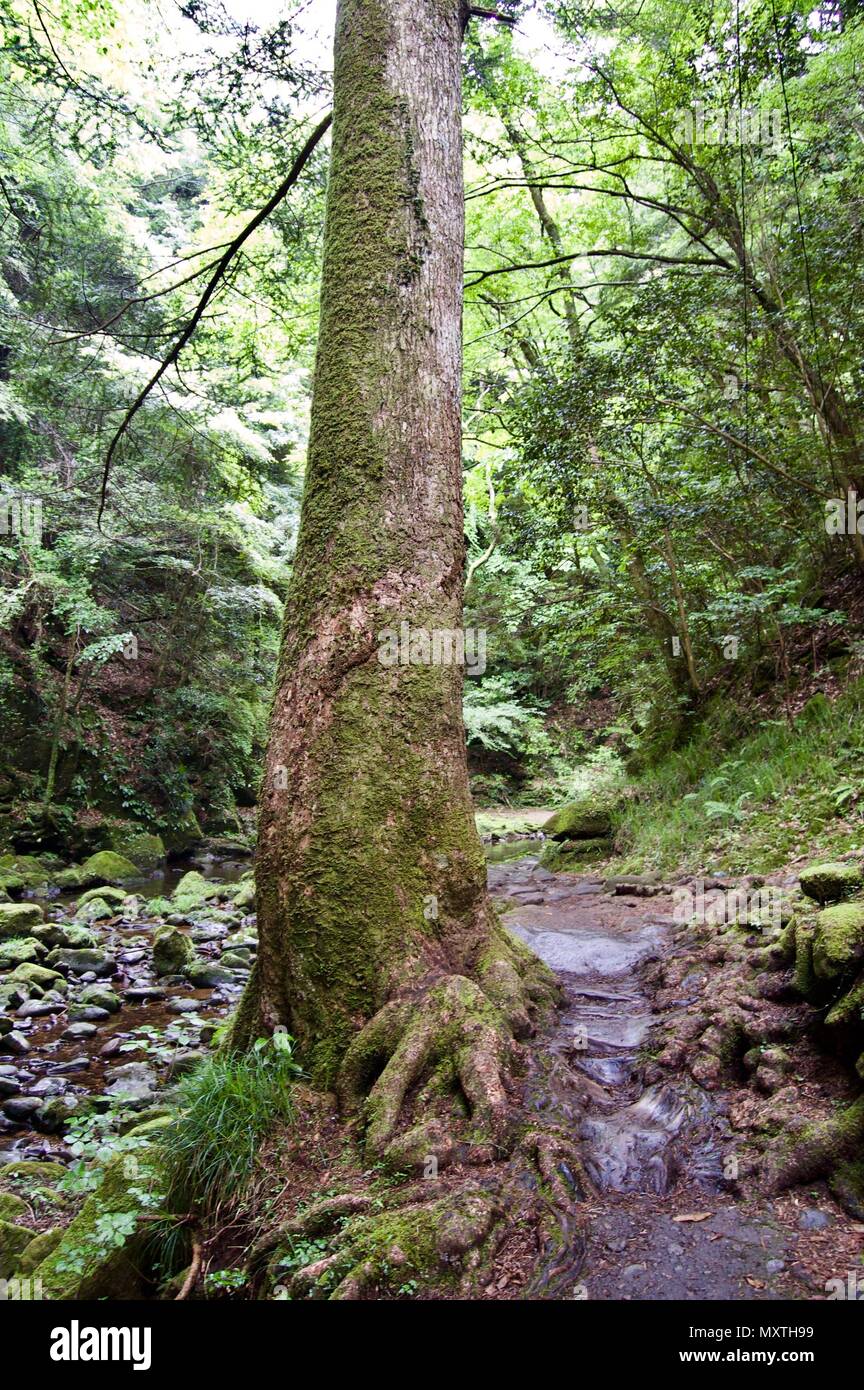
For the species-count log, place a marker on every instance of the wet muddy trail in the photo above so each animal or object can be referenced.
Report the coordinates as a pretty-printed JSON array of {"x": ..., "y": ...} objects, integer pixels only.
[{"x": 666, "y": 1222}]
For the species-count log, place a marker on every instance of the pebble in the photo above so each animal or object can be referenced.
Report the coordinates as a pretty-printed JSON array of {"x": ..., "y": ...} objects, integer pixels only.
[{"x": 814, "y": 1220}]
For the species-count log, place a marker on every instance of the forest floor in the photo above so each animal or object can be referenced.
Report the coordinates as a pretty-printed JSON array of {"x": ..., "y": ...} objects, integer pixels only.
[{"x": 678, "y": 1211}]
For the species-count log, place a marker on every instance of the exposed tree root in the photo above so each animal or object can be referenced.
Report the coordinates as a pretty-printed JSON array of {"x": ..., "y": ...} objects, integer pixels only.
[{"x": 818, "y": 1151}]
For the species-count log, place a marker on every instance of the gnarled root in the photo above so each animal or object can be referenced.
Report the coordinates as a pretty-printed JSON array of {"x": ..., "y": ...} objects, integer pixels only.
[
  {"x": 455, "y": 1032},
  {"x": 397, "y": 1250},
  {"x": 818, "y": 1150}
]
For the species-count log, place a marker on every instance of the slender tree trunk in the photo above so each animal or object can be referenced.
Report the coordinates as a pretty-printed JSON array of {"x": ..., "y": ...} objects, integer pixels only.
[{"x": 371, "y": 878}]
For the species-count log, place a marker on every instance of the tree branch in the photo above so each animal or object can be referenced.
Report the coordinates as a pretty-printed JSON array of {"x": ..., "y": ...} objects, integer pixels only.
[{"x": 221, "y": 267}]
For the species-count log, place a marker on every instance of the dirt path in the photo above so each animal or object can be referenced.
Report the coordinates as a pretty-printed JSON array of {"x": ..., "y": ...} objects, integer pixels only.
[{"x": 657, "y": 1152}]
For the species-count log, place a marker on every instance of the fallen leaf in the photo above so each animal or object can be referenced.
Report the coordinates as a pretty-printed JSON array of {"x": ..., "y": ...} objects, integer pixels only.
[
  {"x": 755, "y": 1283},
  {"x": 694, "y": 1216}
]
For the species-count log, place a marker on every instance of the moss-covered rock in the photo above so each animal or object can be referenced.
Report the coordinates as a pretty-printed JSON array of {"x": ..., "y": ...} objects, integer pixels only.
[
  {"x": 244, "y": 897},
  {"x": 16, "y": 919},
  {"x": 101, "y": 997},
  {"x": 838, "y": 940},
  {"x": 105, "y": 894},
  {"x": 97, "y": 910},
  {"x": 146, "y": 850},
  {"x": 38, "y": 975},
  {"x": 102, "y": 1253},
  {"x": 580, "y": 820},
  {"x": 108, "y": 867},
  {"x": 30, "y": 1173},
  {"x": 828, "y": 883},
  {"x": 172, "y": 951},
  {"x": 39, "y": 1249},
  {"x": 13, "y": 1240},
  {"x": 23, "y": 950},
  {"x": 12, "y": 1207},
  {"x": 573, "y": 855},
  {"x": 22, "y": 871},
  {"x": 194, "y": 891}
]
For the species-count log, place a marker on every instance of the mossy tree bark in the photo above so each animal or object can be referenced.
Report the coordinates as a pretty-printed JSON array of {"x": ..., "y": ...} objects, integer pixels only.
[{"x": 372, "y": 909}]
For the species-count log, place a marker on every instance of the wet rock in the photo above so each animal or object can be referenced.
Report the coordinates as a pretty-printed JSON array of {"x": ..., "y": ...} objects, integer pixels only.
[
  {"x": 101, "y": 997},
  {"x": 185, "y": 1006},
  {"x": 14, "y": 1044},
  {"x": 134, "y": 1082},
  {"x": 73, "y": 962},
  {"x": 39, "y": 1008},
  {"x": 203, "y": 974},
  {"x": 54, "y": 1115},
  {"x": 138, "y": 993},
  {"x": 86, "y": 1014},
  {"x": 185, "y": 1061},
  {"x": 96, "y": 910},
  {"x": 235, "y": 960},
  {"x": 9, "y": 1085},
  {"x": 69, "y": 1067},
  {"x": 78, "y": 1031},
  {"x": 172, "y": 950},
  {"x": 22, "y": 1108}
]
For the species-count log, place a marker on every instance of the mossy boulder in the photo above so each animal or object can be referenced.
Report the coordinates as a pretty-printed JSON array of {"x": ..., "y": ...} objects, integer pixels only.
[
  {"x": 172, "y": 951},
  {"x": 13, "y": 1240},
  {"x": 22, "y": 871},
  {"x": 39, "y": 1249},
  {"x": 38, "y": 975},
  {"x": 828, "y": 883},
  {"x": 12, "y": 1207},
  {"x": 108, "y": 867},
  {"x": 194, "y": 891},
  {"x": 23, "y": 950},
  {"x": 580, "y": 820},
  {"x": 16, "y": 919},
  {"x": 838, "y": 940},
  {"x": 106, "y": 894},
  {"x": 244, "y": 897},
  {"x": 203, "y": 974},
  {"x": 102, "y": 1253},
  {"x": 146, "y": 850},
  {"x": 572, "y": 855},
  {"x": 184, "y": 836},
  {"x": 31, "y": 1173},
  {"x": 101, "y": 997}
]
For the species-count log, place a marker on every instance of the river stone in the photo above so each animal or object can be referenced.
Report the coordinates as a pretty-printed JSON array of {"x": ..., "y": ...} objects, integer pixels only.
[
  {"x": 203, "y": 974},
  {"x": 185, "y": 1006},
  {"x": 22, "y": 1108},
  {"x": 87, "y": 1013},
  {"x": 16, "y": 919},
  {"x": 106, "y": 893},
  {"x": 82, "y": 962},
  {"x": 571, "y": 855},
  {"x": 108, "y": 867},
  {"x": 39, "y": 1008},
  {"x": 100, "y": 996},
  {"x": 143, "y": 992},
  {"x": 133, "y": 1082},
  {"x": 96, "y": 910},
  {"x": 172, "y": 950},
  {"x": 14, "y": 1044},
  {"x": 828, "y": 883},
  {"x": 77, "y": 1031}
]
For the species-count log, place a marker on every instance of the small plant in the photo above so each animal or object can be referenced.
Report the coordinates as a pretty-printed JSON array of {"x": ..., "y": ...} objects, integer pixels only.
[
  {"x": 228, "y": 1104},
  {"x": 224, "y": 1280}
]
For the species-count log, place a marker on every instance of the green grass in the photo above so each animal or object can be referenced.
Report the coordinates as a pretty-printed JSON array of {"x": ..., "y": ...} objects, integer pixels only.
[
  {"x": 227, "y": 1105},
  {"x": 751, "y": 804}
]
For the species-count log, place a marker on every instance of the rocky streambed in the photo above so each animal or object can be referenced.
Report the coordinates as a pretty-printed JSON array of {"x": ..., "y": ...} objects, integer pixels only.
[{"x": 107, "y": 996}]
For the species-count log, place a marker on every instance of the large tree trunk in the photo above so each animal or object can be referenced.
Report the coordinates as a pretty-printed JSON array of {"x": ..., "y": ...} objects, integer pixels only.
[{"x": 371, "y": 878}]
